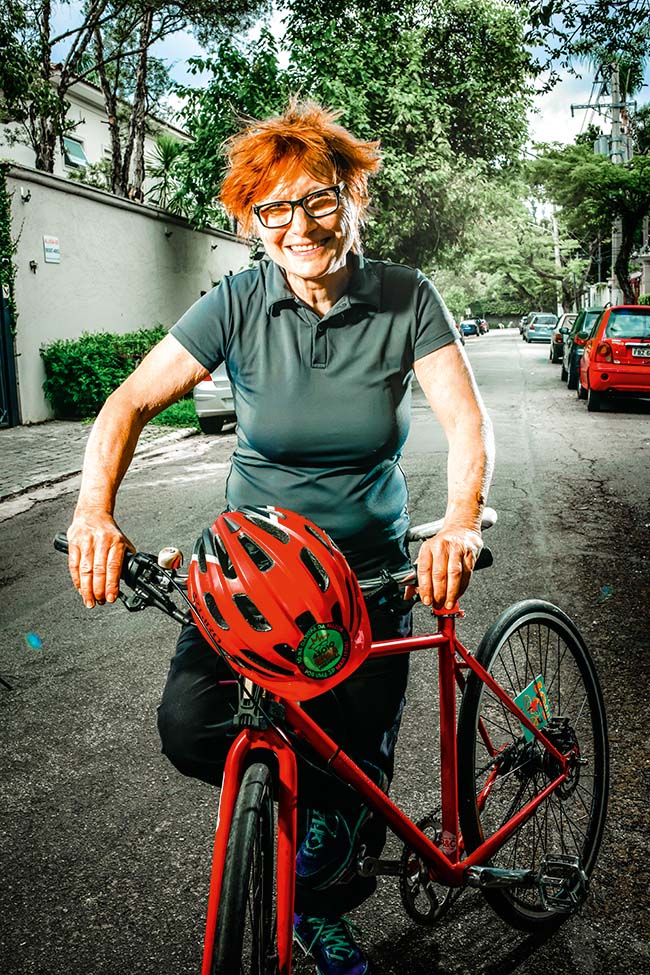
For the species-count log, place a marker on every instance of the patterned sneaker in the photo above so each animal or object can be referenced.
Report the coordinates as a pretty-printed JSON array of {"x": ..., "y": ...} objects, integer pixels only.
[
  {"x": 327, "y": 851},
  {"x": 330, "y": 942}
]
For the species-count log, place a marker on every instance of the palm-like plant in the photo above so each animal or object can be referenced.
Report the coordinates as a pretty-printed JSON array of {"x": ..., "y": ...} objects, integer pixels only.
[{"x": 162, "y": 168}]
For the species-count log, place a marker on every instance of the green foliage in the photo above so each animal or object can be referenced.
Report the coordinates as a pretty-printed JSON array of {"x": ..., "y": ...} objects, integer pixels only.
[
  {"x": 7, "y": 244},
  {"x": 180, "y": 414},
  {"x": 593, "y": 192},
  {"x": 81, "y": 373},
  {"x": 644, "y": 300},
  {"x": 98, "y": 175},
  {"x": 164, "y": 192}
]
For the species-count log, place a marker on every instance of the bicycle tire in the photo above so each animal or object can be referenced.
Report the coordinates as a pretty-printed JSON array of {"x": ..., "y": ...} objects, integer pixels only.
[
  {"x": 245, "y": 940},
  {"x": 529, "y": 638}
]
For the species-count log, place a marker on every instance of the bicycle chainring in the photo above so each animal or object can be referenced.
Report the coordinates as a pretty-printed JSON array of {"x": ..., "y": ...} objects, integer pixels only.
[{"x": 424, "y": 900}]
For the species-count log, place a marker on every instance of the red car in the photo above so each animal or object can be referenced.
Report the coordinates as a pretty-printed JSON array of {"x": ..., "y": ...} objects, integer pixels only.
[{"x": 616, "y": 358}]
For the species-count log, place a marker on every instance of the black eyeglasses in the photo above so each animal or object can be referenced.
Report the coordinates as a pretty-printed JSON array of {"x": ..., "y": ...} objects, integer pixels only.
[{"x": 318, "y": 204}]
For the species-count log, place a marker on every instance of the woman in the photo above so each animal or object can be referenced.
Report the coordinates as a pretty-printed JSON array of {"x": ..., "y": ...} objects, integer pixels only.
[{"x": 320, "y": 346}]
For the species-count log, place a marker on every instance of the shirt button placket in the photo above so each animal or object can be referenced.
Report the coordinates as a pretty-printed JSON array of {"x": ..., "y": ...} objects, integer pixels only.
[{"x": 319, "y": 347}]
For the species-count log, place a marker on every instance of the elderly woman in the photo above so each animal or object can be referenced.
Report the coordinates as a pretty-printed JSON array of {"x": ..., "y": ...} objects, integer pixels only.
[{"x": 320, "y": 346}]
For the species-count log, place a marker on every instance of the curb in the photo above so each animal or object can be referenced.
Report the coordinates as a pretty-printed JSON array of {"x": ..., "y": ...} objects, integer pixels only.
[{"x": 143, "y": 450}]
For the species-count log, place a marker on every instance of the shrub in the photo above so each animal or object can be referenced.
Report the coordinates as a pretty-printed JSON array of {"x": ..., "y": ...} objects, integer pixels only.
[
  {"x": 644, "y": 299},
  {"x": 81, "y": 373}
]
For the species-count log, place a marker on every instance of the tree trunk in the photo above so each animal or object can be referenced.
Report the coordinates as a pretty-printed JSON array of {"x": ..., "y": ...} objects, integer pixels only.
[
  {"x": 133, "y": 176},
  {"x": 110, "y": 103},
  {"x": 622, "y": 265}
]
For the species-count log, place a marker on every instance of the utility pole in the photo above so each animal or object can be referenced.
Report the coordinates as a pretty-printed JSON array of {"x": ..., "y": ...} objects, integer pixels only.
[
  {"x": 616, "y": 155},
  {"x": 558, "y": 264}
]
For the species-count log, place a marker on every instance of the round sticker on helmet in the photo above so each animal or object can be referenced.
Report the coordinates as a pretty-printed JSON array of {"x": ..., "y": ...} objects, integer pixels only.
[{"x": 323, "y": 651}]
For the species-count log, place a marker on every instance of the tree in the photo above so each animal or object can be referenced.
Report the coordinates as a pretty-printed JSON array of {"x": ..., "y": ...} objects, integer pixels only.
[
  {"x": 388, "y": 72},
  {"x": 593, "y": 192},
  {"x": 110, "y": 46},
  {"x": 164, "y": 190}
]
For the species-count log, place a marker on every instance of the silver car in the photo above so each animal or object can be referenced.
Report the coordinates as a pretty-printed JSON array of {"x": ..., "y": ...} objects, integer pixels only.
[
  {"x": 213, "y": 401},
  {"x": 539, "y": 328}
]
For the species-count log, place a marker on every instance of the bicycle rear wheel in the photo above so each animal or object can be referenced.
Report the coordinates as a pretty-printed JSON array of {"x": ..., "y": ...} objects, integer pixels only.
[
  {"x": 502, "y": 768},
  {"x": 245, "y": 940}
]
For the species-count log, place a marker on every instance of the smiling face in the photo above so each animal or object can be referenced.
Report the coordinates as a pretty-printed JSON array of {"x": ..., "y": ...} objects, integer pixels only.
[{"x": 309, "y": 248}]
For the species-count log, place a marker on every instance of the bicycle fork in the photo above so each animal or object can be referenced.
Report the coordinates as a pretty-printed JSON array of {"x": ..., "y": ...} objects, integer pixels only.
[{"x": 248, "y": 741}]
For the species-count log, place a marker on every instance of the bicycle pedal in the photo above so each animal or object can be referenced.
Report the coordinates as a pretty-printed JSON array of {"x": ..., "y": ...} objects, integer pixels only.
[{"x": 562, "y": 882}]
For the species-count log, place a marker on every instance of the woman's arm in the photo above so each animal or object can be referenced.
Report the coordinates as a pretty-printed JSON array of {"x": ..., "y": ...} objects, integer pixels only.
[
  {"x": 445, "y": 562},
  {"x": 96, "y": 544}
]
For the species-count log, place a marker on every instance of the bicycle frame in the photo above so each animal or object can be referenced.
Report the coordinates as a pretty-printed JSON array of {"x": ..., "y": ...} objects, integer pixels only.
[{"x": 445, "y": 864}]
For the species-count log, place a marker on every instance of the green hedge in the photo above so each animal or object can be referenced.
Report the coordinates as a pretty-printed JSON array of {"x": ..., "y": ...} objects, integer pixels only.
[
  {"x": 644, "y": 299},
  {"x": 81, "y": 373}
]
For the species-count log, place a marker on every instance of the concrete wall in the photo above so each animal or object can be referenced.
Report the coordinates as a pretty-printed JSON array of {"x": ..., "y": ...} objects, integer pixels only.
[{"x": 123, "y": 266}]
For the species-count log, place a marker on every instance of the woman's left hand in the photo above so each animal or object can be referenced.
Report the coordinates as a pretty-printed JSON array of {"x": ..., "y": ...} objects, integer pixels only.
[{"x": 445, "y": 563}]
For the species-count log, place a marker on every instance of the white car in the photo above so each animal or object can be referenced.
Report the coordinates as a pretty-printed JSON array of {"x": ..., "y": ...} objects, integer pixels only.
[{"x": 213, "y": 401}]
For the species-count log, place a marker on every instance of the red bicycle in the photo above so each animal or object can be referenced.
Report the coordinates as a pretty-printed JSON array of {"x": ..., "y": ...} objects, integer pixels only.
[{"x": 524, "y": 779}]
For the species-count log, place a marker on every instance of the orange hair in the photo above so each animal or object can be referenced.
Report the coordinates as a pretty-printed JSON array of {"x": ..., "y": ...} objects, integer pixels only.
[{"x": 305, "y": 137}]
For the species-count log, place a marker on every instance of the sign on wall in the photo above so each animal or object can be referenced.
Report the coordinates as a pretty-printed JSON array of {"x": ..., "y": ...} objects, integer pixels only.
[{"x": 52, "y": 249}]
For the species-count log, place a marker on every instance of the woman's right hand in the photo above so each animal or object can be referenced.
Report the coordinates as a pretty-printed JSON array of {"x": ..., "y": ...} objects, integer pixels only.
[{"x": 96, "y": 548}]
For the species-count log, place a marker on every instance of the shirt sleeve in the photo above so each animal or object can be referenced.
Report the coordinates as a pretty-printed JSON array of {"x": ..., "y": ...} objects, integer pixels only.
[
  {"x": 434, "y": 325},
  {"x": 204, "y": 328}
]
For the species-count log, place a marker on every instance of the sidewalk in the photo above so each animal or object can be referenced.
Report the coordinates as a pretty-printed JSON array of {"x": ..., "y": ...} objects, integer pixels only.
[{"x": 36, "y": 457}]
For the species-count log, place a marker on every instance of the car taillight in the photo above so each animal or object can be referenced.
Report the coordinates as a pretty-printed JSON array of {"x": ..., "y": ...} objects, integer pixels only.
[
  {"x": 579, "y": 341},
  {"x": 558, "y": 338},
  {"x": 604, "y": 352}
]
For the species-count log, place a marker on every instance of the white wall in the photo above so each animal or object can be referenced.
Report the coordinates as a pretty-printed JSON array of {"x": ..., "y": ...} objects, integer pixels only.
[{"x": 123, "y": 266}]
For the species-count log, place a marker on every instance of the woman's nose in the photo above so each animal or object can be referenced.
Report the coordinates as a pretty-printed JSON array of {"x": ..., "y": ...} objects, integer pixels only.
[{"x": 301, "y": 220}]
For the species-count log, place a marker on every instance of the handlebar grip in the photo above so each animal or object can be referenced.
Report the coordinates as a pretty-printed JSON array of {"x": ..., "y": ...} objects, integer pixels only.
[{"x": 61, "y": 542}]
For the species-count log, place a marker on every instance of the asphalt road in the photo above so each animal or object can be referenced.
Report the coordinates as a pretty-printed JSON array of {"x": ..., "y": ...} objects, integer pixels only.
[{"x": 106, "y": 849}]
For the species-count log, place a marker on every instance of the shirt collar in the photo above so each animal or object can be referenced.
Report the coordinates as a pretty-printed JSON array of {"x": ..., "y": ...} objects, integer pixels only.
[{"x": 364, "y": 287}]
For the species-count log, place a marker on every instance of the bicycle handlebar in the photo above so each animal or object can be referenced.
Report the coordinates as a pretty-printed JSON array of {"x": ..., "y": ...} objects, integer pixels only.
[{"x": 152, "y": 583}]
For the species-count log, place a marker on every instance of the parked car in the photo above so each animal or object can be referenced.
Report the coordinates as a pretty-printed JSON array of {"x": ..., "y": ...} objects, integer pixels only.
[
  {"x": 539, "y": 327},
  {"x": 470, "y": 326},
  {"x": 459, "y": 332},
  {"x": 562, "y": 328},
  {"x": 214, "y": 402},
  {"x": 574, "y": 344},
  {"x": 616, "y": 356}
]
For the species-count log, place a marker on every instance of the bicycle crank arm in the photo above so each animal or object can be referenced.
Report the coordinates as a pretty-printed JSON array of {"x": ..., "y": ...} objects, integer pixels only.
[
  {"x": 490, "y": 877},
  {"x": 372, "y": 867}
]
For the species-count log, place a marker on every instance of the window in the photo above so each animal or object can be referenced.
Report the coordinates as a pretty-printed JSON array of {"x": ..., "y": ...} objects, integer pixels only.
[
  {"x": 73, "y": 152},
  {"x": 628, "y": 324}
]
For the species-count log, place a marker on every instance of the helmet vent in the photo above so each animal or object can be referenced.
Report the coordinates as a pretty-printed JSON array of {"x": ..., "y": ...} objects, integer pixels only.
[
  {"x": 213, "y": 609},
  {"x": 323, "y": 539},
  {"x": 265, "y": 664},
  {"x": 337, "y": 615},
  {"x": 286, "y": 651},
  {"x": 251, "y": 613},
  {"x": 227, "y": 567},
  {"x": 304, "y": 621},
  {"x": 232, "y": 525},
  {"x": 267, "y": 526},
  {"x": 199, "y": 551},
  {"x": 316, "y": 570},
  {"x": 257, "y": 554}
]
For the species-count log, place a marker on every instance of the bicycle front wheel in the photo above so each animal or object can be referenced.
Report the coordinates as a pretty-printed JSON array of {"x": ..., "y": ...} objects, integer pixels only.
[
  {"x": 245, "y": 940},
  {"x": 537, "y": 655}
]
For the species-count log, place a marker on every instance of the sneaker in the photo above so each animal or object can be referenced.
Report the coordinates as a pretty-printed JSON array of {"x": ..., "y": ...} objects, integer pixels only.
[
  {"x": 327, "y": 852},
  {"x": 331, "y": 944}
]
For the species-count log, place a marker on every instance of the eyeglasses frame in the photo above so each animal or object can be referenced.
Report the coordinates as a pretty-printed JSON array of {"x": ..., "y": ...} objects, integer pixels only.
[{"x": 338, "y": 187}]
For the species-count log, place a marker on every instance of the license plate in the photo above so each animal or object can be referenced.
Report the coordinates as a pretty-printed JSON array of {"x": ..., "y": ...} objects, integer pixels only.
[
  {"x": 642, "y": 353},
  {"x": 534, "y": 703}
]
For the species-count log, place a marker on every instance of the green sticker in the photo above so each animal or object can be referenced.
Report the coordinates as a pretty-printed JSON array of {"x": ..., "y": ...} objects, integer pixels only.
[
  {"x": 323, "y": 651},
  {"x": 534, "y": 703}
]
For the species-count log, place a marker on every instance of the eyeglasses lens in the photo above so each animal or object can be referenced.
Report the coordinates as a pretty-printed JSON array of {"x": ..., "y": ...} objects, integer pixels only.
[{"x": 319, "y": 204}]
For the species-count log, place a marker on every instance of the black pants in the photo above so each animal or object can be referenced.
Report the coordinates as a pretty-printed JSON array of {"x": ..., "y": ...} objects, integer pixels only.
[{"x": 362, "y": 714}]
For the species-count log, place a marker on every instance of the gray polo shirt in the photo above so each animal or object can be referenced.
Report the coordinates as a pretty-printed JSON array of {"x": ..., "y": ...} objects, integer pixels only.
[{"x": 323, "y": 404}]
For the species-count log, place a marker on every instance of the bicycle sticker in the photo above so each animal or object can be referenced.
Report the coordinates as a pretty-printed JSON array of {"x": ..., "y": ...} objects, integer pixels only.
[
  {"x": 323, "y": 651},
  {"x": 534, "y": 702}
]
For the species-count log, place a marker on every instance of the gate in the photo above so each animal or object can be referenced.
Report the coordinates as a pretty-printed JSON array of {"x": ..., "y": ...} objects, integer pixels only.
[{"x": 8, "y": 392}]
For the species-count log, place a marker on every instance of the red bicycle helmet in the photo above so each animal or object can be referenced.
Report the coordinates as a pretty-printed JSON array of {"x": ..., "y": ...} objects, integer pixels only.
[{"x": 280, "y": 601}]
